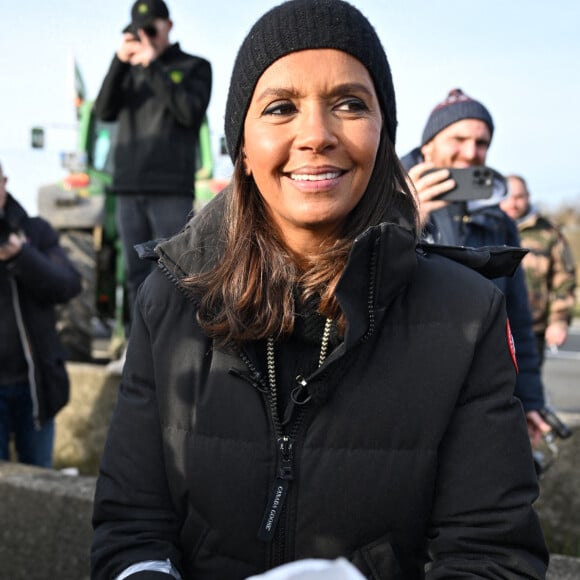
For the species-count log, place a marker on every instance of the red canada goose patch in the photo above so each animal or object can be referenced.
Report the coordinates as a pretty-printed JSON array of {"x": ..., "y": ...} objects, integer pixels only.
[{"x": 511, "y": 345}]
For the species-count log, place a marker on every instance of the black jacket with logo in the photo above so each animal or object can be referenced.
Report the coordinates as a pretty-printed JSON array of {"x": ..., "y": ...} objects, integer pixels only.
[
  {"x": 410, "y": 449},
  {"x": 159, "y": 110}
]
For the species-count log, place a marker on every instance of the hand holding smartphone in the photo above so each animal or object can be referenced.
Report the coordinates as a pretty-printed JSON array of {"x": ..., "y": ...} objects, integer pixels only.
[{"x": 471, "y": 183}]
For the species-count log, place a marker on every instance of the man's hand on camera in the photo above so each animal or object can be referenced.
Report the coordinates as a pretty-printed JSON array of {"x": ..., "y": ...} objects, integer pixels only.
[
  {"x": 428, "y": 187},
  {"x": 152, "y": 42},
  {"x": 146, "y": 50},
  {"x": 11, "y": 248},
  {"x": 128, "y": 48}
]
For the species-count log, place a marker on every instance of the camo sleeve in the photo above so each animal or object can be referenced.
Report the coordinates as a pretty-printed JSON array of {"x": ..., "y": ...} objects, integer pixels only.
[
  {"x": 563, "y": 281},
  {"x": 550, "y": 273}
]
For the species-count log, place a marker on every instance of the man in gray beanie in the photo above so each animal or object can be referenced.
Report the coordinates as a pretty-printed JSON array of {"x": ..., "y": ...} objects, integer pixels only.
[
  {"x": 456, "y": 106},
  {"x": 458, "y": 134}
]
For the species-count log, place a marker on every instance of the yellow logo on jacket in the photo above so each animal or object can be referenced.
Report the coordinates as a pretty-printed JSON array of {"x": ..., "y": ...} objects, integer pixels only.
[{"x": 176, "y": 76}]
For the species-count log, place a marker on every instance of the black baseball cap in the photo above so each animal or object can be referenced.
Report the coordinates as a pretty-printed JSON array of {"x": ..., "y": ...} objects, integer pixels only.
[{"x": 144, "y": 12}]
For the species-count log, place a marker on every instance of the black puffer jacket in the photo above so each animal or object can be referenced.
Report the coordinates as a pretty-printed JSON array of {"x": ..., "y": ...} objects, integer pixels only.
[
  {"x": 39, "y": 277},
  {"x": 411, "y": 449}
]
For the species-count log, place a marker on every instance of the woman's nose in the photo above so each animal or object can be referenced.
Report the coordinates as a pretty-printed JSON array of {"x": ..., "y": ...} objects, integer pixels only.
[{"x": 316, "y": 129}]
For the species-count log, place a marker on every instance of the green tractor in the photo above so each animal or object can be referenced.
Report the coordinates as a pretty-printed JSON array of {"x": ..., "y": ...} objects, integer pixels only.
[{"x": 82, "y": 209}]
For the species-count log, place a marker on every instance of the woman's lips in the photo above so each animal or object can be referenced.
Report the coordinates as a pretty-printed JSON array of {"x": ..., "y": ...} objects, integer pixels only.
[
  {"x": 316, "y": 182},
  {"x": 315, "y": 176}
]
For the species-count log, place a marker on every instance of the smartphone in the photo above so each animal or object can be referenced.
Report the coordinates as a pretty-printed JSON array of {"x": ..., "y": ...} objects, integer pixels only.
[
  {"x": 477, "y": 182},
  {"x": 150, "y": 30}
]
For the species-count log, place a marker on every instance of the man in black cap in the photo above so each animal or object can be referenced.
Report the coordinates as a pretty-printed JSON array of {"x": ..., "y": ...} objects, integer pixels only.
[
  {"x": 159, "y": 96},
  {"x": 458, "y": 134}
]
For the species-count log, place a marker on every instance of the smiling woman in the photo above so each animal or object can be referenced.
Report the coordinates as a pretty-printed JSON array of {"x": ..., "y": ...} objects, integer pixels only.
[
  {"x": 288, "y": 392},
  {"x": 310, "y": 142}
]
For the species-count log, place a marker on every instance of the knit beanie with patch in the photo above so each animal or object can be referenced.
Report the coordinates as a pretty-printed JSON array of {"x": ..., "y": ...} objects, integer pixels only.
[
  {"x": 301, "y": 25},
  {"x": 457, "y": 106}
]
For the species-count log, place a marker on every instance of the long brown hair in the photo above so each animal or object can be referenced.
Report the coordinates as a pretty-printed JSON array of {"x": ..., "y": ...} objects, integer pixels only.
[{"x": 249, "y": 293}]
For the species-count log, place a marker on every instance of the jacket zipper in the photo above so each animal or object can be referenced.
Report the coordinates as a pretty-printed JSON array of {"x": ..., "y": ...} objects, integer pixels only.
[
  {"x": 284, "y": 476},
  {"x": 284, "y": 443},
  {"x": 271, "y": 529}
]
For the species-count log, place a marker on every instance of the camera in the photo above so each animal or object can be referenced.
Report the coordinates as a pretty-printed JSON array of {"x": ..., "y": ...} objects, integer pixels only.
[
  {"x": 545, "y": 456},
  {"x": 558, "y": 426}
]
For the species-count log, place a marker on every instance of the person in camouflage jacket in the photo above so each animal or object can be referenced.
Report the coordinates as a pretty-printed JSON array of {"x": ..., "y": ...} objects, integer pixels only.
[{"x": 549, "y": 266}]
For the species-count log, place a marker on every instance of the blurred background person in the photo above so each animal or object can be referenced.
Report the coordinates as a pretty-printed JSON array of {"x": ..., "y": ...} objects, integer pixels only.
[
  {"x": 159, "y": 95},
  {"x": 549, "y": 266},
  {"x": 35, "y": 274}
]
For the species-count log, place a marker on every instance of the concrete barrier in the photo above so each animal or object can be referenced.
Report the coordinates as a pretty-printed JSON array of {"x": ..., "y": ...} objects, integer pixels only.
[
  {"x": 559, "y": 502},
  {"x": 45, "y": 529},
  {"x": 563, "y": 568}
]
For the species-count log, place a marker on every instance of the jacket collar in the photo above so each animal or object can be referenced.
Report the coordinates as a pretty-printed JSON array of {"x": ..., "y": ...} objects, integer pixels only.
[
  {"x": 381, "y": 263},
  {"x": 197, "y": 246}
]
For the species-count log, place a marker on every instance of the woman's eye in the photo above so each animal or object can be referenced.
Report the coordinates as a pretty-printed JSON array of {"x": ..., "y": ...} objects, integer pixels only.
[
  {"x": 352, "y": 105},
  {"x": 280, "y": 108}
]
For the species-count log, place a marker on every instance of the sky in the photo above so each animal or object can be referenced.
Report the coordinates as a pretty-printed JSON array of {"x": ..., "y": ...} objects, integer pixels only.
[{"x": 520, "y": 58}]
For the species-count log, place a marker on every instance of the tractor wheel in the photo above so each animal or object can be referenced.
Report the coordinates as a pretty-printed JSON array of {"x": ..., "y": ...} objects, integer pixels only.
[{"x": 75, "y": 318}]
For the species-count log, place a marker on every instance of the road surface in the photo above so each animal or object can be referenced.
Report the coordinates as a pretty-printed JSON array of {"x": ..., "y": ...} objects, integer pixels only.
[{"x": 562, "y": 374}]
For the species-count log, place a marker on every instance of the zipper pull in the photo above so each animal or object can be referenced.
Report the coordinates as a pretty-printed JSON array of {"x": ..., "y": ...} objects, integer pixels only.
[
  {"x": 279, "y": 490},
  {"x": 299, "y": 394},
  {"x": 299, "y": 397}
]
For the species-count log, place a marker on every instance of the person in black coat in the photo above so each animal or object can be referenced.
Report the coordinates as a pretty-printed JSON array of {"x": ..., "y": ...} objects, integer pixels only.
[
  {"x": 303, "y": 380},
  {"x": 35, "y": 274}
]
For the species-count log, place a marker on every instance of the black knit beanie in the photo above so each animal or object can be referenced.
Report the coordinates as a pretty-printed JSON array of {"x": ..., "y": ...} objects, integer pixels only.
[
  {"x": 456, "y": 107},
  {"x": 300, "y": 25}
]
